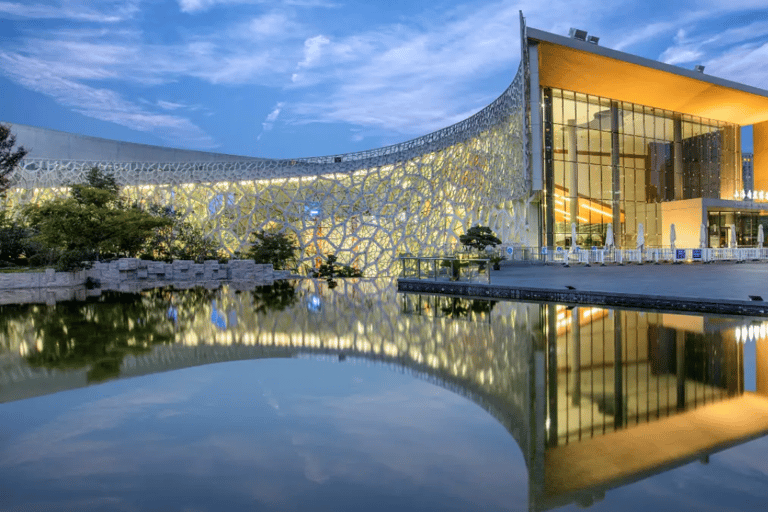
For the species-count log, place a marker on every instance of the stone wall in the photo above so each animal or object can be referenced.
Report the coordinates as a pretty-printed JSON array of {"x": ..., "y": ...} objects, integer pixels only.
[{"x": 146, "y": 274}]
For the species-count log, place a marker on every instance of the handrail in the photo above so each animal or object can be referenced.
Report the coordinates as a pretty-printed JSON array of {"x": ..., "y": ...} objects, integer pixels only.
[{"x": 447, "y": 268}]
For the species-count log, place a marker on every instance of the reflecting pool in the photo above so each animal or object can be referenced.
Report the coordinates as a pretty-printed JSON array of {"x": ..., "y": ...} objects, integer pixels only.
[{"x": 299, "y": 397}]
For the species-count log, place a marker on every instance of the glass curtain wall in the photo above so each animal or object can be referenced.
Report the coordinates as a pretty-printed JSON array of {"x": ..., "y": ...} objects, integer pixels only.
[{"x": 613, "y": 162}]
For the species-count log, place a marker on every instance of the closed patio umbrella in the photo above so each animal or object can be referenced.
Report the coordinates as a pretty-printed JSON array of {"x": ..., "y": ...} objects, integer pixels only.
[
  {"x": 672, "y": 236},
  {"x": 733, "y": 236},
  {"x": 760, "y": 236},
  {"x": 609, "y": 236},
  {"x": 573, "y": 235},
  {"x": 703, "y": 237},
  {"x": 640, "y": 236}
]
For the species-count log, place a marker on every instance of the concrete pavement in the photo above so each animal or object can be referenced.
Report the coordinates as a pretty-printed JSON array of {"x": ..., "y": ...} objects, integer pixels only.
[{"x": 714, "y": 287}]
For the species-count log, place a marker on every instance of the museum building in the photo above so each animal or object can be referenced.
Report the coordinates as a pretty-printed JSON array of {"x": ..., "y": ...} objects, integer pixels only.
[{"x": 583, "y": 138}]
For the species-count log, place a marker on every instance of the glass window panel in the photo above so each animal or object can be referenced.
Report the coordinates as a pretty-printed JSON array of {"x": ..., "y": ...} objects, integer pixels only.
[
  {"x": 687, "y": 129},
  {"x": 557, "y": 106},
  {"x": 569, "y": 106},
  {"x": 595, "y": 147},
  {"x": 582, "y": 115},
  {"x": 669, "y": 126},
  {"x": 559, "y": 169},
  {"x": 583, "y": 145},
  {"x": 595, "y": 182},
  {"x": 606, "y": 184},
  {"x": 558, "y": 142}
]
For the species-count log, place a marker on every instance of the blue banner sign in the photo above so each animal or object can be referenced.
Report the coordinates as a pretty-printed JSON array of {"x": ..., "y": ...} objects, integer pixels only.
[
  {"x": 679, "y": 254},
  {"x": 696, "y": 254}
]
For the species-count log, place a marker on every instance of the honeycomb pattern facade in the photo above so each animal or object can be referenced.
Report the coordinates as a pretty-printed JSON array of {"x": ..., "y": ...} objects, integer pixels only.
[{"x": 415, "y": 197}]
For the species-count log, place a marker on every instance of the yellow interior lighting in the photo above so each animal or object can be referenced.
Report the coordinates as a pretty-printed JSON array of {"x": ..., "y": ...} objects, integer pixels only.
[{"x": 590, "y": 73}]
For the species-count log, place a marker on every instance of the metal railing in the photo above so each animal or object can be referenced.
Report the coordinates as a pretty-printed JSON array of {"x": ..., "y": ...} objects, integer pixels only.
[
  {"x": 446, "y": 268},
  {"x": 603, "y": 256}
]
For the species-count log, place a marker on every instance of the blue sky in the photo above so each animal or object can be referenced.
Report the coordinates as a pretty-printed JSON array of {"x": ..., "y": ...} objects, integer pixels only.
[{"x": 293, "y": 78}]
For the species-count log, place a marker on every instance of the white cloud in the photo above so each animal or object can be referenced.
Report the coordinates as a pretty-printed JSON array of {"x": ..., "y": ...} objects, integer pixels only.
[
  {"x": 744, "y": 64},
  {"x": 109, "y": 11},
  {"x": 195, "y": 6},
  {"x": 270, "y": 119},
  {"x": 313, "y": 49},
  {"x": 404, "y": 79},
  {"x": 103, "y": 104}
]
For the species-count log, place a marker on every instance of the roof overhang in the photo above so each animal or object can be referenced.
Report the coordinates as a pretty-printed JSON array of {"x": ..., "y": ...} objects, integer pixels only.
[{"x": 580, "y": 66}]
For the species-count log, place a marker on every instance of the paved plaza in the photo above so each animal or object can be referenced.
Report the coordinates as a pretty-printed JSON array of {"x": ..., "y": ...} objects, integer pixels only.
[
  {"x": 722, "y": 288},
  {"x": 711, "y": 281}
]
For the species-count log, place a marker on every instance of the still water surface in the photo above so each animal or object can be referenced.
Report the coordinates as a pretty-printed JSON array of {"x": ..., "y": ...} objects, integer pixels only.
[{"x": 300, "y": 397}]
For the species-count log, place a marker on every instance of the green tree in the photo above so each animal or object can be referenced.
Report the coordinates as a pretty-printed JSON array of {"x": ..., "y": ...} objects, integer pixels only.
[
  {"x": 179, "y": 240},
  {"x": 276, "y": 248},
  {"x": 12, "y": 240},
  {"x": 9, "y": 158},
  {"x": 93, "y": 222},
  {"x": 332, "y": 269},
  {"x": 479, "y": 237}
]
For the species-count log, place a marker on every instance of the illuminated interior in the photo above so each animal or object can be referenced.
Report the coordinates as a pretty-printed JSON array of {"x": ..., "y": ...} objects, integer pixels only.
[{"x": 614, "y": 163}]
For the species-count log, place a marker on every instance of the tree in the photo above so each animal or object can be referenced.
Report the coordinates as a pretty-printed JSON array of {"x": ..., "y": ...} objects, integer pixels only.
[
  {"x": 279, "y": 249},
  {"x": 479, "y": 237},
  {"x": 92, "y": 223},
  {"x": 332, "y": 269},
  {"x": 9, "y": 159},
  {"x": 12, "y": 240},
  {"x": 179, "y": 240}
]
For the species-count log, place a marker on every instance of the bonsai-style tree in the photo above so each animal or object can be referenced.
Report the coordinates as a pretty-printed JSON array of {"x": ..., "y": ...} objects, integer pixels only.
[
  {"x": 276, "y": 248},
  {"x": 332, "y": 269},
  {"x": 9, "y": 158},
  {"x": 479, "y": 237}
]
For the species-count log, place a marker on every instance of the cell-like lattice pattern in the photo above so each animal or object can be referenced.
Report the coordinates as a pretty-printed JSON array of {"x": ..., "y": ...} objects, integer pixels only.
[{"x": 366, "y": 208}]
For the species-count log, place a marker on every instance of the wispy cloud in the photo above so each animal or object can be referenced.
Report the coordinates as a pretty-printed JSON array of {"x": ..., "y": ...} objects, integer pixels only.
[
  {"x": 410, "y": 80},
  {"x": 270, "y": 119},
  {"x": 100, "y": 103},
  {"x": 194, "y": 6},
  {"x": 107, "y": 11}
]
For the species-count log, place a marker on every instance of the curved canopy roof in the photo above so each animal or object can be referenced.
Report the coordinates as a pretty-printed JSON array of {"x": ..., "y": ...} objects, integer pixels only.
[{"x": 584, "y": 67}]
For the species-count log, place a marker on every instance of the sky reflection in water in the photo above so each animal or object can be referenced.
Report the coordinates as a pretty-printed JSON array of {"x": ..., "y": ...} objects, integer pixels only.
[
  {"x": 316, "y": 432},
  {"x": 272, "y": 434}
]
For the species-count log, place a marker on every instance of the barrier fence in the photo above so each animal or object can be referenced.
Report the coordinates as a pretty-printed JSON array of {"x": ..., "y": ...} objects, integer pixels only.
[
  {"x": 461, "y": 267},
  {"x": 447, "y": 268},
  {"x": 604, "y": 256}
]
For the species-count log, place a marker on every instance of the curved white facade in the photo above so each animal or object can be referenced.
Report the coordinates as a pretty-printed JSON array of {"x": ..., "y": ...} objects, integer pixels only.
[{"x": 366, "y": 207}]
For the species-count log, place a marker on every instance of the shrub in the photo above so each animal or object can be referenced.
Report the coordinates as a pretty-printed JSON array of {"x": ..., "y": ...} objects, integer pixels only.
[
  {"x": 479, "y": 237},
  {"x": 276, "y": 248}
]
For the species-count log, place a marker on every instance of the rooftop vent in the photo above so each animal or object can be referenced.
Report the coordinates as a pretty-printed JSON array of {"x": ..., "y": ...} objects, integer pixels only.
[
  {"x": 699, "y": 68},
  {"x": 593, "y": 39},
  {"x": 579, "y": 34}
]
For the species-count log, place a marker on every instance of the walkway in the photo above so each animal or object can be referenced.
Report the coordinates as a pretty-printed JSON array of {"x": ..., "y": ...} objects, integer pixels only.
[{"x": 715, "y": 287}]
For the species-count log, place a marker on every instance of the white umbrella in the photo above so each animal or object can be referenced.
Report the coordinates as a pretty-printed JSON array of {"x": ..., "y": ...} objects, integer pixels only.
[
  {"x": 573, "y": 235},
  {"x": 609, "y": 236},
  {"x": 672, "y": 236},
  {"x": 760, "y": 236},
  {"x": 703, "y": 237},
  {"x": 640, "y": 236},
  {"x": 733, "y": 236}
]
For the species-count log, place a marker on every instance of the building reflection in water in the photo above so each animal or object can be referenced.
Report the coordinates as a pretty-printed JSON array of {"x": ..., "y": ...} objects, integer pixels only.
[{"x": 595, "y": 398}]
